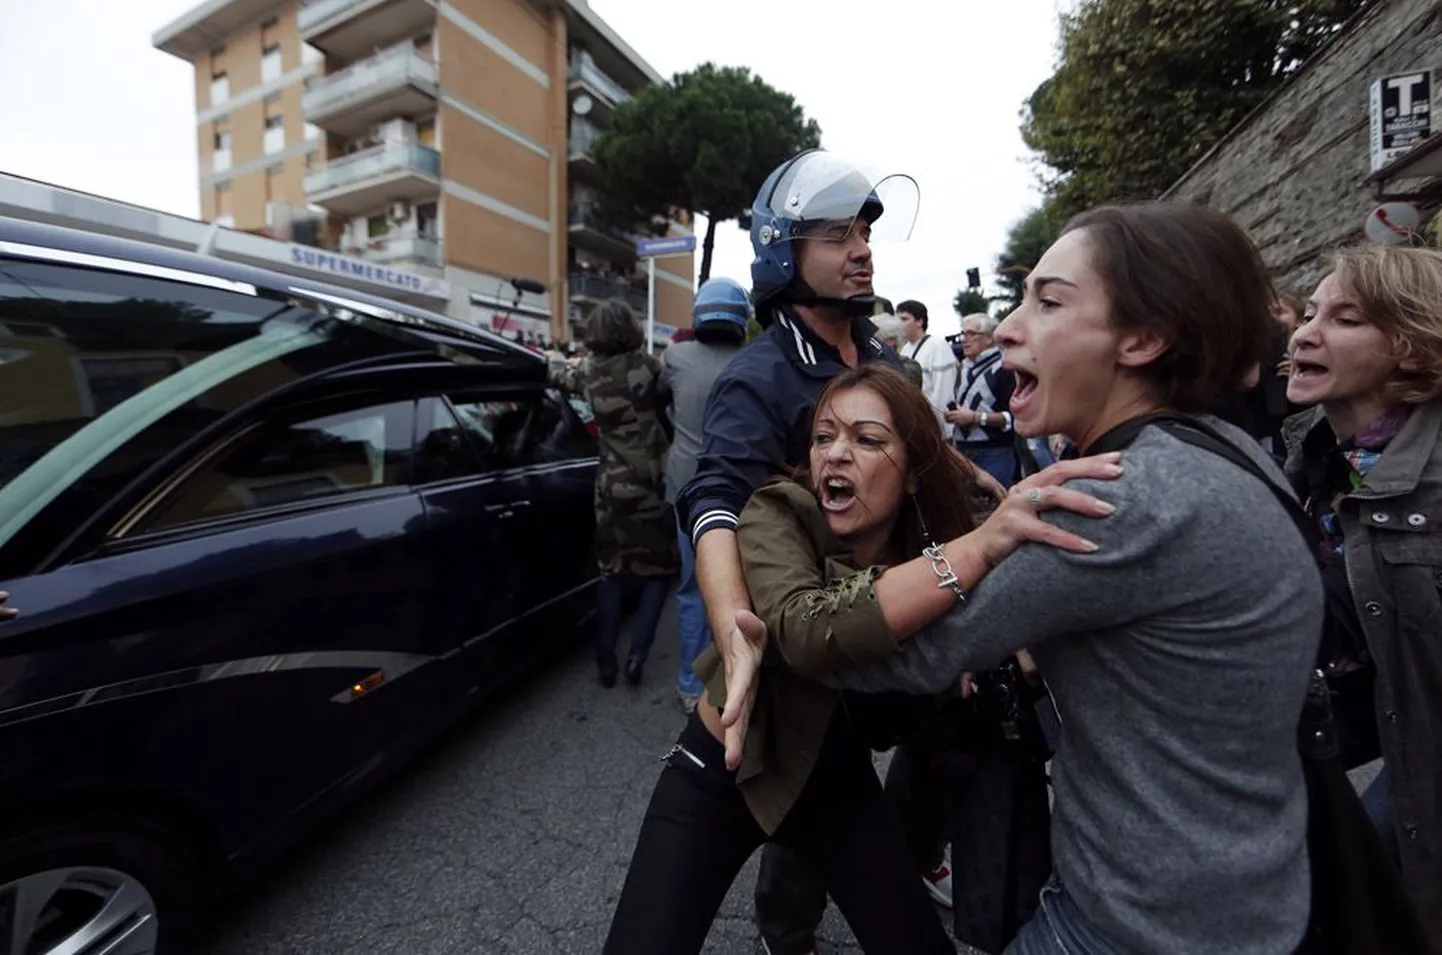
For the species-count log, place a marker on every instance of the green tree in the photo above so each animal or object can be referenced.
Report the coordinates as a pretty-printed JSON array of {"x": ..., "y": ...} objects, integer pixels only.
[
  {"x": 1025, "y": 243},
  {"x": 969, "y": 301},
  {"x": 705, "y": 143},
  {"x": 1145, "y": 87}
]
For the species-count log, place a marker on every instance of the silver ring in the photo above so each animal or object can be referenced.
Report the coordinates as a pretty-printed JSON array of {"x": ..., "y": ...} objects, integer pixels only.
[{"x": 1033, "y": 497}]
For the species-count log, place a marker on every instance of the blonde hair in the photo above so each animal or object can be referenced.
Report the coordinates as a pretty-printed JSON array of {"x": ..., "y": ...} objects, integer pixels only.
[{"x": 1400, "y": 291}]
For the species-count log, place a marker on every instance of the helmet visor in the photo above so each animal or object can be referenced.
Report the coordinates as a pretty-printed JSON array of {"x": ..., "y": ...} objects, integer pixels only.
[{"x": 828, "y": 198}]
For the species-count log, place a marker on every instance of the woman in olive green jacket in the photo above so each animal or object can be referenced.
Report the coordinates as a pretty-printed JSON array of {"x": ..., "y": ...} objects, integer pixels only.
[
  {"x": 881, "y": 486},
  {"x": 1367, "y": 460}
]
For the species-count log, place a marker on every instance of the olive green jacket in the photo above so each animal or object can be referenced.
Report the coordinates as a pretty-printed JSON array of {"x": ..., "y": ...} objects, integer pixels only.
[{"x": 821, "y": 615}]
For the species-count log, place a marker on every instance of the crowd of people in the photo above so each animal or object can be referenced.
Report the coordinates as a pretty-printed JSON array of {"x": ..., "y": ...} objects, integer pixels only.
[{"x": 1126, "y": 579}]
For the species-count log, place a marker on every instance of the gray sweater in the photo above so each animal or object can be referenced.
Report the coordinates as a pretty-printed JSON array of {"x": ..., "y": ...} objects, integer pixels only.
[{"x": 1178, "y": 656}]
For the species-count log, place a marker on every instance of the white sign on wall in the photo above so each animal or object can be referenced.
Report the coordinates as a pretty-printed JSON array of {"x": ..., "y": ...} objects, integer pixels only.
[{"x": 1401, "y": 114}]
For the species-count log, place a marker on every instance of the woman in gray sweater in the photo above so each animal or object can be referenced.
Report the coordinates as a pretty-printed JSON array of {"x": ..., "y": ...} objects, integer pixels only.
[{"x": 1178, "y": 652}]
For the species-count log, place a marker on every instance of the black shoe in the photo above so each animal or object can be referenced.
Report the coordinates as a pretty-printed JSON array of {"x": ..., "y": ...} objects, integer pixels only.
[
  {"x": 633, "y": 671},
  {"x": 607, "y": 673}
]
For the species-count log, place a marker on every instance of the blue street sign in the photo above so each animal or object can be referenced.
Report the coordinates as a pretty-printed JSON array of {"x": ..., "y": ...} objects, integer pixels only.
[{"x": 670, "y": 245}]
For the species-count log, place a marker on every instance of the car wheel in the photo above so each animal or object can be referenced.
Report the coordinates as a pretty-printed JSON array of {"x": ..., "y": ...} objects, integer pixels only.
[{"x": 95, "y": 885}]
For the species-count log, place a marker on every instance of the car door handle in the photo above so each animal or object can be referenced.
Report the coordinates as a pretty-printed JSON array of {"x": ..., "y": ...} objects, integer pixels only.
[{"x": 508, "y": 506}]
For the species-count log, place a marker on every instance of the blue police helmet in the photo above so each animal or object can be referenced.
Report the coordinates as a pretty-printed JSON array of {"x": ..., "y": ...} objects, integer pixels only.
[
  {"x": 811, "y": 187},
  {"x": 721, "y": 301}
]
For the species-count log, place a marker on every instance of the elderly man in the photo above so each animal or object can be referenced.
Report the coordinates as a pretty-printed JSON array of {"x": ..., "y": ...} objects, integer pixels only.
[{"x": 982, "y": 425}]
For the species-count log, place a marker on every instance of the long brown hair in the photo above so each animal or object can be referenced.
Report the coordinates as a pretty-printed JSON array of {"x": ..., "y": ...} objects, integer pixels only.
[{"x": 945, "y": 489}]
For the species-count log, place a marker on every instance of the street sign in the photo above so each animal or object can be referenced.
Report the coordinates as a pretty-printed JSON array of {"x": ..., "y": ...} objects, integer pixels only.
[
  {"x": 1401, "y": 114},
  {"x": 1392, "y": 223},
  {"x": 670, "y": 245}
]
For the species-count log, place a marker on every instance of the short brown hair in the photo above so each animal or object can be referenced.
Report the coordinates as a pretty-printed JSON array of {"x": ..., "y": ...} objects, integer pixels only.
[
  {"x": 1191, "y": 275},
  {"x": 613, "y": 329},
  {"x": 1400, "y": 291}
]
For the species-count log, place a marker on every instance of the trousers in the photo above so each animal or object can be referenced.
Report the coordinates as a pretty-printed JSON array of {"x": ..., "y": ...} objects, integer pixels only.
[{"x": 698, "y": 832}]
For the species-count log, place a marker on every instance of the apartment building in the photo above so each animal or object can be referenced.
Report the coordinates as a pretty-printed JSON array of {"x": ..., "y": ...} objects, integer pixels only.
[{"x": 443, "y": 142}]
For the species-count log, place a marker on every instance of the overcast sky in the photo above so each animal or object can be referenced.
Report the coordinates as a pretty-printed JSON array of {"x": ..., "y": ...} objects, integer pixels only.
[{"x": 913, "y": 86}]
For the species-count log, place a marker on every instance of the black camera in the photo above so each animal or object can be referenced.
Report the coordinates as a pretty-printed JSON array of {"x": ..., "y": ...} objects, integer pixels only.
[{"x": 1001, "y": 711}]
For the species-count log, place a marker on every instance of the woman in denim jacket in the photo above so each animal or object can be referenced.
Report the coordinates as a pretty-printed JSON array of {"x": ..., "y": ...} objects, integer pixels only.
[{"x": 1367, "y": 461}]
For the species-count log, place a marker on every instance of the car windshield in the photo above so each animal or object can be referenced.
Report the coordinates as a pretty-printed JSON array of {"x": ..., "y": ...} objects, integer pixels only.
[{"x": 103, "y": 373}]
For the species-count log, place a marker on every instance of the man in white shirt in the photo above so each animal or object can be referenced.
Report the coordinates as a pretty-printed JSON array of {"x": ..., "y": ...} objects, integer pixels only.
[{"x": 931, "y": 352}]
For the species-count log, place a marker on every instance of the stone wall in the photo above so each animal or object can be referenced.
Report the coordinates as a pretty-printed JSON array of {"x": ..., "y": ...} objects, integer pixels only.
[{"x": 1293, "y": 171}]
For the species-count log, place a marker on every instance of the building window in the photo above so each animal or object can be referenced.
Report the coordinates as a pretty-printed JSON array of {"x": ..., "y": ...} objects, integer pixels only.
[
  {"x": 270, "y": 68},
  {"x": 426, "y": 131},
  {"x": 219, "y": 88},
  {"x": 220, "y": 160},
  {"x": 377, "y": 226},
  {"x": 274, "y": 134},
  {"x": 425, "y": 45}
]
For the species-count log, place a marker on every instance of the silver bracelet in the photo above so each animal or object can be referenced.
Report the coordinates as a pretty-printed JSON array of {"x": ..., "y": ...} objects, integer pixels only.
[{"x": 941, "y": 567}]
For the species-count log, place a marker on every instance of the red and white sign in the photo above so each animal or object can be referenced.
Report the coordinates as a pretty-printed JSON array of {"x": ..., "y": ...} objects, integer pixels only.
[{"x": 1392, "y": 223}]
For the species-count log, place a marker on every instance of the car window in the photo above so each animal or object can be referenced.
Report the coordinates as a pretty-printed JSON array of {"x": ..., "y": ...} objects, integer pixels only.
[
  {"x": 288, "y": 462},
  {"x": 521, "y": 431},
  {"x": 444, "y": 449},
  {"x": 105, "y": 373}
]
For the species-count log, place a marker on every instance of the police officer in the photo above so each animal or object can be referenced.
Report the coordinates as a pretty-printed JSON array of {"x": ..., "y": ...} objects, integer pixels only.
[{"x": 815, "y": 310}]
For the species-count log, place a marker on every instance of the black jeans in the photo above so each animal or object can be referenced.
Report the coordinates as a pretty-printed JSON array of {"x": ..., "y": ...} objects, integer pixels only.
[
  {"x": 612, "y": 594},
  {"x": 698, "y": 832},
  {"x": 790, "y": 897}
]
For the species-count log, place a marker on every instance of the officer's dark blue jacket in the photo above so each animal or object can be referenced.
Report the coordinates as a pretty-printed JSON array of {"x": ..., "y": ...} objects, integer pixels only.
[{"x": 758, "y": 418}]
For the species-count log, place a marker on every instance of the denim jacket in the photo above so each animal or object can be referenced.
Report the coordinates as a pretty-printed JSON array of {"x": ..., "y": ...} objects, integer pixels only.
[{"x": 1392, "y": 526}]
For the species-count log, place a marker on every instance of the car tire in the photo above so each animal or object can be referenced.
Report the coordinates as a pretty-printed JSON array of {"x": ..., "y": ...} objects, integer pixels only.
[{"x": 102, "y": 873}]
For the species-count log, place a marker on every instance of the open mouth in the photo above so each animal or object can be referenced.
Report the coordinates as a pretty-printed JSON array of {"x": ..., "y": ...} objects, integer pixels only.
[
  {"x": 1303, "y": 370},
  {"x": 837, "y": 494},
  {"x": 1026, "y": 385}
]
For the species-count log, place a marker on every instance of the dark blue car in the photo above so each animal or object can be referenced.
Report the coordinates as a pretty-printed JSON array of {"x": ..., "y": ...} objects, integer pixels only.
[{"x": 265, "y": 536}]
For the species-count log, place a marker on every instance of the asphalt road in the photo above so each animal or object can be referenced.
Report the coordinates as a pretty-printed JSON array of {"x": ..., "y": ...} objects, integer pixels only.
[{"x": 512, "y": 835}]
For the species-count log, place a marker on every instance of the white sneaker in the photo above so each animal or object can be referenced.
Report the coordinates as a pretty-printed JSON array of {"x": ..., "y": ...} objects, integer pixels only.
[{"x": 938, "y": 884}]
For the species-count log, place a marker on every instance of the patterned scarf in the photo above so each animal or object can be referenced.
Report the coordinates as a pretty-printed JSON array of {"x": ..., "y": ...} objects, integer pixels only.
[{"x": 1348, "y": 467}]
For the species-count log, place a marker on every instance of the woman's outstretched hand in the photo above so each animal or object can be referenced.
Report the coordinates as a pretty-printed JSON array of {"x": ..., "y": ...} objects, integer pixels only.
[
  {"x": 742, "y": 665},
  {"x": 1018, "y": 518}
]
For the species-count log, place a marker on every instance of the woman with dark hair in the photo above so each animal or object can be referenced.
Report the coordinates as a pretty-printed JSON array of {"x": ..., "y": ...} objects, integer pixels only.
[
  {"x": 635, "y": 529},
  {"x": 1179, "y": 650},
  {"x": 880, "y": 487}
]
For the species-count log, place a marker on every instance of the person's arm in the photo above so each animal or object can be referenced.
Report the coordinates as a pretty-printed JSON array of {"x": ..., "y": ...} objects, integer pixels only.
[
  {"x": 742, "y": 448},
  {"x": 565, "y": 373},
  {"x": 816, "y": 624},
  {"x": 1036, "y": 594}
]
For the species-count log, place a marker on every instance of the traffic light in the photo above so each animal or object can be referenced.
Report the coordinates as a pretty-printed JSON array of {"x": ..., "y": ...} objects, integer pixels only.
[{"x": 973, "y": 278}]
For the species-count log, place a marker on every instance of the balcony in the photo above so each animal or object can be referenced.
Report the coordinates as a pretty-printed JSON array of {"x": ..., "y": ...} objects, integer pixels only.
[
  {"x": 589, "y": 230},
  {"x": 394, "y": 82},
  {"x": 593, "y": 288},
  {"x": 401, "y": 248},
  {"x": 350, "y": 30},
  {"x": 578, "y": 148},
  {"x": 583, "y": 76},
  {"x": 355, "y": 184}
]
